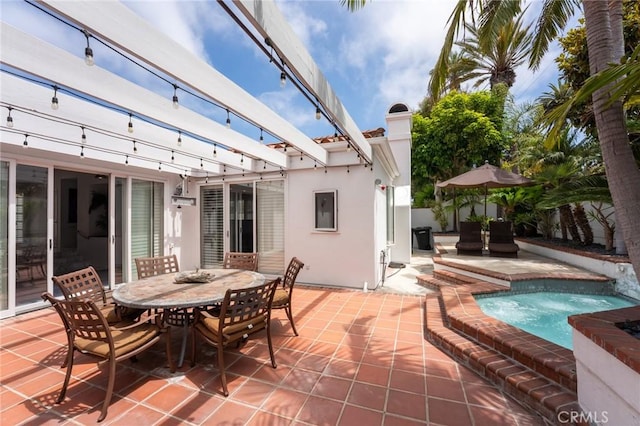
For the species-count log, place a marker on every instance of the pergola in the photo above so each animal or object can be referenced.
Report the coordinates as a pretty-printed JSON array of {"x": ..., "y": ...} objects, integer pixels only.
[{"x": 104, "y": 116}]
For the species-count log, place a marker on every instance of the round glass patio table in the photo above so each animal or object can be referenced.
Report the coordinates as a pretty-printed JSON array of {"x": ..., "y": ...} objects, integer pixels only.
[{"x": 163, "y": 292}]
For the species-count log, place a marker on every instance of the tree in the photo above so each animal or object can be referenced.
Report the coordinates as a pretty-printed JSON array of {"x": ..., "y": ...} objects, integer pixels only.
[{"x": 462, "y": 130}]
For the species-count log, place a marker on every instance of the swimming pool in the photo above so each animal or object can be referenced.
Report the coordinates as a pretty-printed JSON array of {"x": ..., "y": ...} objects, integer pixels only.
[{"x": 544, "y": 314}]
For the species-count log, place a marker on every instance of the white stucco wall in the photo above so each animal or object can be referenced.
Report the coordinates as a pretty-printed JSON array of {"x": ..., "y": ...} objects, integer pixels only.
[{"x": 342, "y": 258}]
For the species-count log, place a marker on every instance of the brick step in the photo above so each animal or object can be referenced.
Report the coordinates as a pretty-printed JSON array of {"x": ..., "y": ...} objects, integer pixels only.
[
  {"x": 454, "y": 277},
  {"x": 528, "y": 387}
]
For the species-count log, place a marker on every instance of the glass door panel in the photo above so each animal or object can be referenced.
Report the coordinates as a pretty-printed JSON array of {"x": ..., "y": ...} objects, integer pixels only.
[
  {"x": 270, "y": 226},
  {"x": 212, "y": 226},
  {"x": 31, "y": 233},
  {"x": 147, "y": 209},
  {"x": 241, "y": 217},
  {"x": 4, "y": 235}
]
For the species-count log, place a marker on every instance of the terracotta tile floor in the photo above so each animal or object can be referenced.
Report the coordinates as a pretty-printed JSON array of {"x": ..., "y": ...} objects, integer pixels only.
[{"x": 361, "y": 359}]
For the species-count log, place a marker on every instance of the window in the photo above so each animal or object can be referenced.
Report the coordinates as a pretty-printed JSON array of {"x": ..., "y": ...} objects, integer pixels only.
[
  {"x": 326, "y": 210},
  {"x": 391, "y": 215}
]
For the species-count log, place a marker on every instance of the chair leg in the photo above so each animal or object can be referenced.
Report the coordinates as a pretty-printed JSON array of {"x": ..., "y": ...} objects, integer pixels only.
[
  {"x": 223, "y": 376},
  {"x": 193, "y": 346},
  {"x": 69, "y": 364},
  {"x": 110, "y": 386},
  {"x": 273, "y": 358},
  {"x": 287, "y": 309},
  {"x": 167, "y": 338}
]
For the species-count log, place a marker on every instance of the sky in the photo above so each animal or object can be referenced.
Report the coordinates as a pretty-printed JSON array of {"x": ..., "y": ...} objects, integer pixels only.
[{"x": 373, "y": 58}]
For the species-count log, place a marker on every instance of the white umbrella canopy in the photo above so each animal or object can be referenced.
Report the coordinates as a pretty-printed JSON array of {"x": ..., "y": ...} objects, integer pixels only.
[{"x": 486, "y": 176}]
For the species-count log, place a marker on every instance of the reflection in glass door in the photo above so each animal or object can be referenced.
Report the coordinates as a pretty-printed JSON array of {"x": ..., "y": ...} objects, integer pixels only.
[
  {"x": 241, "y": 217},
  {"x": 31, "y": 233}
]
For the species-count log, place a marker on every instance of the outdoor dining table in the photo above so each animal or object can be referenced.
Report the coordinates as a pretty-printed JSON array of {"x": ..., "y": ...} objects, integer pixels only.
[{"x": 163, "y": 292}]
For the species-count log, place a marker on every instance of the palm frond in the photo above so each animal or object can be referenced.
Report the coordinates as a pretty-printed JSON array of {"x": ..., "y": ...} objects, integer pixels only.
[{"x": 552, "y": 19}]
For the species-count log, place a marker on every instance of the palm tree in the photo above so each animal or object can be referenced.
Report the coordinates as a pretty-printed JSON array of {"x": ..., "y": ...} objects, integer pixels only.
[{"x": 495, "y": 60}]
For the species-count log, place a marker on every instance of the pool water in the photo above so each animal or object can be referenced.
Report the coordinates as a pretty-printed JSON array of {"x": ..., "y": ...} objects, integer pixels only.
[{"x": 544, "y": 314}]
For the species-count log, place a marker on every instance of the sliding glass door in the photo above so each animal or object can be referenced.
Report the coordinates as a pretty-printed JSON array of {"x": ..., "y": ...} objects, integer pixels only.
[
  {"x": 250, "y": 218},
  {"x": 147, "y": 214},
  {"x": 4, "y": 236}
]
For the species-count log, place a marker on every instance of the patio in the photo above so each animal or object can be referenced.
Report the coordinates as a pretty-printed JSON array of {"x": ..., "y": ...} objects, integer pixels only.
[{"x": 361, "y": 358}]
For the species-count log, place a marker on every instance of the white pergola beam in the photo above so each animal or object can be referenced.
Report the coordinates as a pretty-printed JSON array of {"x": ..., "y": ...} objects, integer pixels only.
[
  {"x": 115, "y": 23},
  {"x": 29, "y": 54},
  {"x": 269, "y": 22}
]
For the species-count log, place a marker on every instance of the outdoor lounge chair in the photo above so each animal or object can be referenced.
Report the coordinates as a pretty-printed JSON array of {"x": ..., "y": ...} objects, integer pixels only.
[
  {"x": 243, "y": 312},
  {"x": 89, "y": 333},
  {"x": 282, "y": 298},
  {"x": 470, "y": 242},
  {"x": 501, "y": 242}
]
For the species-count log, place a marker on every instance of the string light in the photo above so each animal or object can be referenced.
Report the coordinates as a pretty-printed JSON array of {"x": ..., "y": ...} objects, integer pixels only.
[
  {"x": 25, "y": 144},
  {"x": 135, "y": 148},
  {"x": 318, "y": 113},
  {"x": 176, "y": 105},
  {"x": 301, "y": 156},
  {"x": 242, "y": 158},
  {"x": 83, "y": 138},
  {"x": 201, "y": 164},
  {"x": 285, "y": 147},
  {"x": 325, "y": 169},
  {"x": 283, "y": 79},
  {"x": 348, "y": 171},
  {"x": 264, "y": 167},
  {"x": 228, "y": 119},
  {"x": 179, "y": 138},
  {"x": 315, "y": 165},
  {"x": 54, "y": 99},
  {"x": 9, "y": 119},
  {"x": 206, "y": 179},
  {"x": 130, "y": 126},
  {"x": 215, "y": 150},
  {"x": 126, "y": 160},
  {"x": 88, "y": 52},
  {"x": 172, "y": 157},
  {"x": 261, "y": 137},
  {"x": 348, "y": 146},
  {"x": 82, "y": 152},
  {"x": 159, "y": 167}
]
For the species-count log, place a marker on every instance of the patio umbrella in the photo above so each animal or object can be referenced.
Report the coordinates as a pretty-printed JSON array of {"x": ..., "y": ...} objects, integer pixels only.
[{"x": 486, "y": 176}]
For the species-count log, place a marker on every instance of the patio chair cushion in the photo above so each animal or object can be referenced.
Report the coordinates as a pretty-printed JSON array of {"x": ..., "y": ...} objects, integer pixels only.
[
  {"x": 124, "y": 342},
  {"x": 210, "y": 326},
  {"x": 280, "y": 298}
]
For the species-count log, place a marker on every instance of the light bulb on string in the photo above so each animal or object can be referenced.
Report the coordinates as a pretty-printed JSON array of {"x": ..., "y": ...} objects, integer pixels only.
[
  {"x": 88, "y": 51},
  {"x": 228, "y": 119},
  {"x": 348, "y": 169},
  {"x": 215, "y": 150},
  {"x": 25, "y": 144},
  {"x": 283, "y": 79},
  {"x": 172, "y": 157},
  {"x": 130, "y": 125},
  {"x": 318, "y": 113},
  {"x": 83, "y": 138},
  {"x": 135, "y": 148},
  {"x": 201, "y": 164},
  {"x": 54, "y": 99},
  {"x": 179, "y": 138},
  {"x": 264, "y": 167},
  {"x": 126, "y": 160},
  {"x": 348, "y": 146},
  {"x": 176, "y": 105},
  {"x": 261, "y": 137},
  {"x": 10, "y": 119},
  {"x": 206, "y": 179},
  {"x": 159, "y": 167},
  {"x": 82, "y": 152},
  {"x": 242, "y": 158}
]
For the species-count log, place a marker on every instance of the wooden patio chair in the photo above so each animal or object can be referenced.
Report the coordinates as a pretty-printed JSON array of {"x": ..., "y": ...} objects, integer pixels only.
[
  {"x": 89, "y": 333},
  {"x": 501, "y": 243},
  {"x": 238, "y": 260},
  {"x": 243, "y": 312},
  {"x": 283, "y": 296},
  {"x": 470, "y": 242},
  {"x": 86, "y": 284},
  {"x": 159, "y": 265}
]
